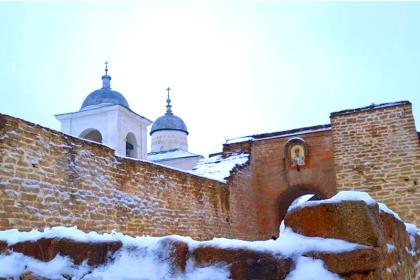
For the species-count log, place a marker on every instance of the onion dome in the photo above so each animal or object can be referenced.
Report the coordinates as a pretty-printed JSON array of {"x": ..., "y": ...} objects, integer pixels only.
[
  {"x": 169, "y": 121},
  {"x": 105, "y": 95}
]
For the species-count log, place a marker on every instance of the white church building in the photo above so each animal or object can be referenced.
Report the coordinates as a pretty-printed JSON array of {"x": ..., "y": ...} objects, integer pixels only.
[{"x": 105, "y": 117}]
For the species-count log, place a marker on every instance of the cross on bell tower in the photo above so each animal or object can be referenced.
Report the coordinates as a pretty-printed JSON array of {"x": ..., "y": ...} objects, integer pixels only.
[{"x": 106, "y": 79}]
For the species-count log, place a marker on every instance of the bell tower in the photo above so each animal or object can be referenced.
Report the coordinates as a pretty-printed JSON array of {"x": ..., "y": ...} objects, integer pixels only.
[{"x": 105, "y": 117}]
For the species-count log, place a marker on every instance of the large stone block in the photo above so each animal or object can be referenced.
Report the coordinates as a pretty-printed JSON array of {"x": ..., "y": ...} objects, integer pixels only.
[
  {"x": 361, "y": 260},
  {"x": 3, "y": 247},
  {"x": 353, "y": 221},
  {"x": 369, "y": 275},
  {"x": 175, "y": 252},
  {"x": 244, "y": 264},
  {"x": 402, "y": 251},
  {"x": 46, "y": 249}
]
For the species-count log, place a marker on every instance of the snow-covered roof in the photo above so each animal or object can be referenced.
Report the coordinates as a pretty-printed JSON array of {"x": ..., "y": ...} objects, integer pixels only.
[
  {"x": 169, "y": 155},
  {"x": 284, "y": 133},
  {"x": 218, "y": 167}
]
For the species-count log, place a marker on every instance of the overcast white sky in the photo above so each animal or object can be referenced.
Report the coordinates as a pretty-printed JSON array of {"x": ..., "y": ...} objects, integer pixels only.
[{"x": 236, "y": 68}]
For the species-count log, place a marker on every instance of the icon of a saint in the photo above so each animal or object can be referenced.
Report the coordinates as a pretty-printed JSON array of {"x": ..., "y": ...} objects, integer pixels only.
[{"x": 298, "y": 158}]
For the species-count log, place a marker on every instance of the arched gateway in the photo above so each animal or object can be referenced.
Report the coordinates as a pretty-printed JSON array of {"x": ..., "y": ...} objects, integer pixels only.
[
  {"x": 291, "y": 194},
  {"x": 282, "y": 167}
]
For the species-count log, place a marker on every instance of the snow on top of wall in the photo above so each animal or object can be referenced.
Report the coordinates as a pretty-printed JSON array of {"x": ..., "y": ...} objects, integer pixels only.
[
  {"x": 173, "y": 154},
  {"x": 339, "y": 197},
  {"x": 412, "y": 229},
  {"x": 217, "y": 167},
  {"x": 370, "y": 107},
  {"x": 343, "y": 196},
  {"x": 239, "y": 139},
  {"x": 288, "y": 244},
  {"x": 13, "y": 236},
  {"x": 285, "y": 133}
]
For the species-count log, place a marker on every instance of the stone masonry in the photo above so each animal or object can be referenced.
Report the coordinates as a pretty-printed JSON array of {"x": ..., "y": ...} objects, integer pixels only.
[
  {"x": 48, "y": 179},
  {"x": 376, "y": 150}
]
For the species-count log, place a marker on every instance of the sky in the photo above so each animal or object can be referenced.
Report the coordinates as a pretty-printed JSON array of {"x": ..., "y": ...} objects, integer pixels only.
[{"x": 235, "y": 68}]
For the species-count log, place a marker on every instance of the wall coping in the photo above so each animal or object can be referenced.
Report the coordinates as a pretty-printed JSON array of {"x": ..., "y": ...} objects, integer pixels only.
[
  {"x": 279, "y": 134},
  {"x": 105, "y": 147},
  {"x": 370, "y": 107}
]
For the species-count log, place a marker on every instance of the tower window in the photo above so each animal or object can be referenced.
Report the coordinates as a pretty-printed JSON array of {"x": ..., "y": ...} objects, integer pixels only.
[
  {"x": 92, "y": 135},
  {"x": 131, "y": 146},
  {"x": 128, "y": 149}
]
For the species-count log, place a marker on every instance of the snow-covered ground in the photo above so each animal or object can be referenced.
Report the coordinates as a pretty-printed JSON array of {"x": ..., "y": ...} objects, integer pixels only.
[
  {"x": 139, "y": 256},
  {"x": 143, "y": 261}
]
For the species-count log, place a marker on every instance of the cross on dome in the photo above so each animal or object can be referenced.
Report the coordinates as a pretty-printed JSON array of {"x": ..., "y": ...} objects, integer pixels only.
[
  {"x": 169, "y": 122},
  {"x": 168, "y": 101},
  {"x": 106, "y": 79},
  {"x": 104, "y": 95}
]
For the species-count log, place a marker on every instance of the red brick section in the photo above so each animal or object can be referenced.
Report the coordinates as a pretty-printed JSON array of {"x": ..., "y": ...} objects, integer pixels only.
[
  {"x": 49, "y": 179},
  {"x": 261, "y": 193},
  {"x": 377, "y": 150}
]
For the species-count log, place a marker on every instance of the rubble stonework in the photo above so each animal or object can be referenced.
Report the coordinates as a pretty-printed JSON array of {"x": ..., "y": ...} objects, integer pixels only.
[{"x": 48, "y": 178}]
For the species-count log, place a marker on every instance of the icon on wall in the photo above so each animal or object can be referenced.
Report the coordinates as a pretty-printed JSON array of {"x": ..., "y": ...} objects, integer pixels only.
[
  {"x": 297, "y": 154},
  {"x": 296, "y": 151}
]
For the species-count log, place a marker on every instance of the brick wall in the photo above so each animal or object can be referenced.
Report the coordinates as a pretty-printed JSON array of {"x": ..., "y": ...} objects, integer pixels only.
[
  {"x": 48, "y": 179},
  {"x": 377, "y": 151},
  {"x": 261, "y": 193}
]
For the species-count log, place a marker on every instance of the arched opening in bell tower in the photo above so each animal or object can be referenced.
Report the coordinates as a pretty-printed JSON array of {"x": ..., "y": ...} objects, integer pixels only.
[
  {"x": 92, "y": 135},
  {"x": 131, "y": 146}
]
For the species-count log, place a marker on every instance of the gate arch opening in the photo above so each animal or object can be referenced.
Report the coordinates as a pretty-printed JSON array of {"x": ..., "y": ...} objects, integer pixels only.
[{"x": 294, "y": 192}]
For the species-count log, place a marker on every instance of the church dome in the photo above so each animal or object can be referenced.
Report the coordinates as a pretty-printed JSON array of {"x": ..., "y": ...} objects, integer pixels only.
[
  {"x": 169, "y": 121},
  {"x": 105, "y": 95}
]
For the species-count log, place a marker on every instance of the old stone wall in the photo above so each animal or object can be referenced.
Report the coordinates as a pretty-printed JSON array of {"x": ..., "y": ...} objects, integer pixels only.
[
  {"x": 49, "y": 179},
  {"x": 377, "y": 150},
  {"x": 243, "y": 204},
  {"x": 384, "y": 248},
  {"x": 261, "y": 193}
]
